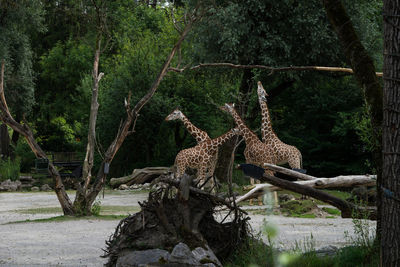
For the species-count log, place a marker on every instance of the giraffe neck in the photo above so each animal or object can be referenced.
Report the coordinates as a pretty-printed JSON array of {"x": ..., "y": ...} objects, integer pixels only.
[
  {"x": 246, "y": 132},
  {"x": 223, "y": 138},
  {"x": 267, "y": 133},
  {"x": 198, "y": 134}
]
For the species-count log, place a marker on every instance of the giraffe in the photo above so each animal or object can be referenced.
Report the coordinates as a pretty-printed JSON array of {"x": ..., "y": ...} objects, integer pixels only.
[
  {"x": 200, "y": 156},
  {"x": 199, "y": 135},
  {"x": 256, "y": 152},
  {"x": 284, "y": 153}
]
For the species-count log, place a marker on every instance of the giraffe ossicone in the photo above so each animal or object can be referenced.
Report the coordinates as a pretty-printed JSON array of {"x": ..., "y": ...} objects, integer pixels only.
[
  {"x": 199, "y": 135},
  {"x": 284, "y": 153}
]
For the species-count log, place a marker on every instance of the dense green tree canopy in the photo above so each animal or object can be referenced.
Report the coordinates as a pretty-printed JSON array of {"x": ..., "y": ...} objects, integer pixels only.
[{"x": 322, "y": 114}]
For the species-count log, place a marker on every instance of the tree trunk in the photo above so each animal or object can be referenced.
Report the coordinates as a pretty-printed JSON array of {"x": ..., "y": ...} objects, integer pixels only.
[
  {"x": 225, "y": 152},
  {"x": 5, "y": 141},
  {"x": 94, "y": 108},
  {"x": 85, "y": 198},
  {"x": 364, "y": 71},
  {"x": 390, "y": 203}
]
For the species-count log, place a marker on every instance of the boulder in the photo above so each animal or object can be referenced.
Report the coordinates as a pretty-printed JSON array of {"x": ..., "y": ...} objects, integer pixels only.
[
  {"x": 285, "y": 197},
  {"x": 142, "y": 257},
  {"x": 123, "y": 187},
  {"x": 182, "y": 254},
  {"x": 35, "y": 189},
  {"x": 206, "y": 255},
  {"x": 10, "y": 186},
  {"x": 45, "y": 187}
]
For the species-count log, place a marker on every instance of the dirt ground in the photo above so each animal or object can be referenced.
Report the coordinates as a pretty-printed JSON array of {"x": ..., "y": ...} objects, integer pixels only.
[{"x": 80, "y": 242}]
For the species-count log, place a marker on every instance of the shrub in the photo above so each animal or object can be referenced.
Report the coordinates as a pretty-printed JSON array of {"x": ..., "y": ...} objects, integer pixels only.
[{"x": 9, "y": 169}]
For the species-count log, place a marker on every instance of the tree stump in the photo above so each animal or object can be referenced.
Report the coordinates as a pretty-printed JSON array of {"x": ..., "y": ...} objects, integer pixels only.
[{"x": 167, "y": 219}]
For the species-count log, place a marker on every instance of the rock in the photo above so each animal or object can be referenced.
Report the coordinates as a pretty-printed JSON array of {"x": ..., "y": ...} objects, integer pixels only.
[
  {"x": 10, "y": 186},
  {"x": 206, "y": 256},
  {"x": 142, "y": 257},
  {"x": 134, "y": 186},
  {"x": 285, "y": 197},
  {"x": 182, "y": 254},
  {"x": 35, "y": 189},
  {"x": 146, "y": 186},
  {"x": 45, "y": 187},
  {"x": 123, "y": 187},
  {"x": 327, "y": 251}
]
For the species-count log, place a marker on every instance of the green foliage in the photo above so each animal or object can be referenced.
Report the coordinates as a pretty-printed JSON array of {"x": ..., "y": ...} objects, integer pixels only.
[
  {"x": 96, "y": 208},
  {"x": 321, "y": 114},
  {"x": 20, "y": 19},
  {"x": 9, "y": 169},
  {"x": 332, "y": 211},
  {"x": 24, "y": 153},
  {"x": 59, "y": 135},
  {"x": 255, "y": 253},
  {"x": 61, "y": 91},
  {"x": 297, "y": 208}
]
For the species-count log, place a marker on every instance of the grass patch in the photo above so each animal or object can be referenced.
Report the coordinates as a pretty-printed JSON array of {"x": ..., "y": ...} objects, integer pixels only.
[
  {"x": 307, "y": 215},
  {"x": 332, "y": 211},
  {"x": 296, "y": 208},
  {"x": 41, "y": 210},
  {"x": 255, "y": 253}
]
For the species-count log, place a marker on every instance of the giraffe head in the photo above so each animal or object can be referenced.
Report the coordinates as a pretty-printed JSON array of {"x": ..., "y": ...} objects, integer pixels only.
[
  {"x": 175, "y": 115},
  {"x": 228, "y": 107},
  {"x": 262, "y": 95}
]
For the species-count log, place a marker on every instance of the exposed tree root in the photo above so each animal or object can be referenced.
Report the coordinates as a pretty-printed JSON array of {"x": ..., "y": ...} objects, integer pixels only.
[{"x": 166, "y": 219}]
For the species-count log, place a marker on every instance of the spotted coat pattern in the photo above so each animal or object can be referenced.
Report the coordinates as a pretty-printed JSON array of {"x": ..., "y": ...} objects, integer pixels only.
[
  {"x": 283, "y": 153},
  {"x": 256, "y": 152},
  {"x": 199, "y": 135},
  {"x": 200, "y": 156}
]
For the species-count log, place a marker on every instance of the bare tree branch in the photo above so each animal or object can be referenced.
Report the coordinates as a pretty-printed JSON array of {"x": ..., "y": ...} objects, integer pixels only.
[
  {"x": 269, "y": 68},
  {"x": 24, "y": 130}
]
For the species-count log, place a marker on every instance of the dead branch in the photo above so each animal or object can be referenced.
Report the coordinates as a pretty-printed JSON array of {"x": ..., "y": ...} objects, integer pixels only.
[
  {"x": 269, "y": 68},
  {"x": 25, "y": 131},
  {"x": 215, "y": 198},
  {"x": 348, "y": 209},
  {"x": 292, "y": 173},
  {"x": 339, "y": 181},
  {"x": 133, "y": 114}
]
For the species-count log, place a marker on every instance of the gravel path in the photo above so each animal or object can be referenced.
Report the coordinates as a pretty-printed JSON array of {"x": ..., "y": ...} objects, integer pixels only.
[{"x": 80, "y": 242}]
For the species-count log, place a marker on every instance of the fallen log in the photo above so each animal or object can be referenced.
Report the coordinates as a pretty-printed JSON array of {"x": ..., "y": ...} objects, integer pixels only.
[
  {"x": 286, "y": 171},
  {"x": 334, "y": 182},
  {"x": 347, "y": 209},
  {"x": 139, "y": 176}
]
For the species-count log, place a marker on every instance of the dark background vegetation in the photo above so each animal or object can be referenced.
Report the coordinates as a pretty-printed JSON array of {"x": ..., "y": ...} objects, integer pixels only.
[{"x": 49, "y": 45}]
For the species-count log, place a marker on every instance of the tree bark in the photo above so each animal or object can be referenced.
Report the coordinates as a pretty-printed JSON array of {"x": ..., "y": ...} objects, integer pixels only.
[
  {"x": 224, "y": 165},
  {"x": 364, "y": 71},
  {"x": 348, "y": 209},
  {"x": 84, "y": 202},
  {"x": 334, "y": 182},
  {"x": 286, "y": 171},
  {"x": 5, "y": 141},
  {"x": 390, "y": 204},
  {"x": 94, "y": 108},
  {"x": 271, "y": 69},
  {"x": 7, "y": 118}
]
